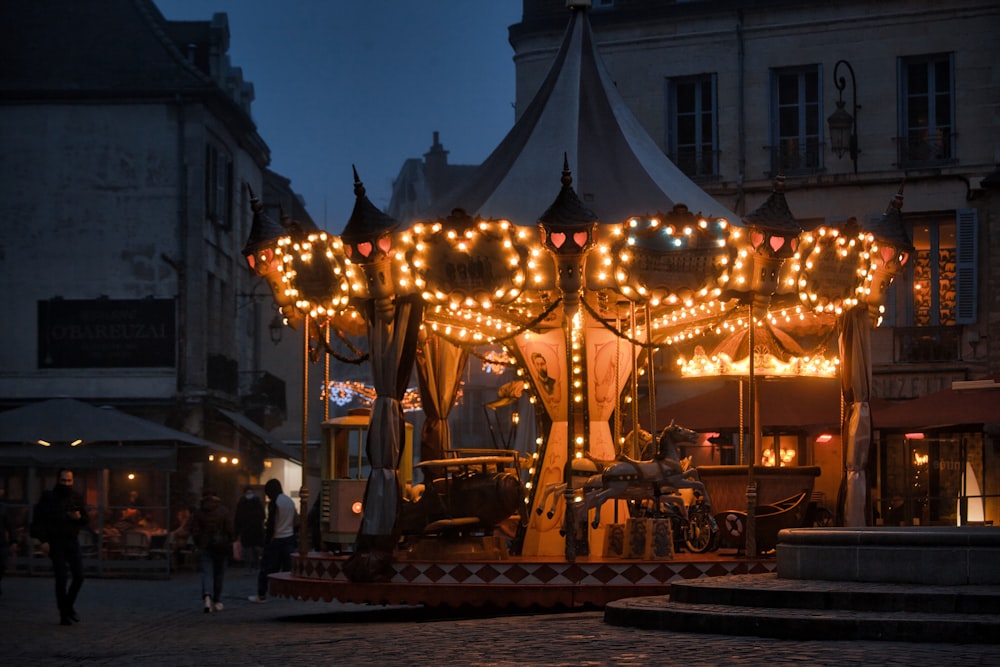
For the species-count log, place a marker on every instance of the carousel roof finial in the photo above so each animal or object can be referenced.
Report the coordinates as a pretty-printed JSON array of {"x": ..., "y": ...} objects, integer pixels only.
[
  {"x": 567, "y": 209},
  {"x": 366, "y": 219},
  {"x": 774, "y": 214},
  {"x": 359, "y": 187},
  {"x": 263, "y": 230},
  {"x": 889, "y": 227}
]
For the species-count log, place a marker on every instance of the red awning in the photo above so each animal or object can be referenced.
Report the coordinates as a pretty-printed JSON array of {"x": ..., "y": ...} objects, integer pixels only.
[
  {"x": 949, "y": 407},
  {"x": 787, "y": 402}
]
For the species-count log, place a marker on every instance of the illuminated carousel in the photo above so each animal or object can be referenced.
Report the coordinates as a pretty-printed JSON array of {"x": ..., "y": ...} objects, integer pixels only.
[{"x": 578, "y": 296}]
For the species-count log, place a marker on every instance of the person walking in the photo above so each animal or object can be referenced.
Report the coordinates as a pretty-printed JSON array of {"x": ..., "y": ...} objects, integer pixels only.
[
  {"x": 279, "y": 537},
  {"x": 212, "y": 532},
  {"x": 58, "y": 518},
  {"x": 249, "y": 525}
]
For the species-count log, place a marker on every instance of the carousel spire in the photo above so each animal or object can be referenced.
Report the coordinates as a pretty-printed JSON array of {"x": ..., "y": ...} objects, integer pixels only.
[
  {"x": 567, "y": 210},
  {"x": 366, "y": 218},
  {"x": 263, "y": 230},
  {"x": 774, "y": 215},
  {"x": 889, "y": 227}
]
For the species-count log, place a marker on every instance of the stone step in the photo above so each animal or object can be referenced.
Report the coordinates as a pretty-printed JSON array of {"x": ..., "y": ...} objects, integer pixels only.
[
  {"x": 660, "y": 613},
  {"x": 768, "y": 590},
  {"x": 765, "y": 605}
]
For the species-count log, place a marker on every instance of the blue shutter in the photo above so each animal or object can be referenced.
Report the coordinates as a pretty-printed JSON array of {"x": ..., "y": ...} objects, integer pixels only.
[{"x": 966, "y": 274}]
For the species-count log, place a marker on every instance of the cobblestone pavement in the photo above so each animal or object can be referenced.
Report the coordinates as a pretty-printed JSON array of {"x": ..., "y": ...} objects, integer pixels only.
[{"x": 160, "y": 622}]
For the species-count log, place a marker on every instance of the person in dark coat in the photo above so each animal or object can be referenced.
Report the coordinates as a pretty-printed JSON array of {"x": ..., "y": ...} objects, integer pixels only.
[
  {"x": 212, "y": 532},
  {"x": 249, "y": 525},
  {"x": 59, "y": 516}
]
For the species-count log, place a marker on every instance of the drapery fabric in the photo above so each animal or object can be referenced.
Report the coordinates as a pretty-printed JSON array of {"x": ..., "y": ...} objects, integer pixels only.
[
  {"x": 439, "y": 372},
  {"x": 392, "y": 344},
  {"x": 856, "y": 430}
]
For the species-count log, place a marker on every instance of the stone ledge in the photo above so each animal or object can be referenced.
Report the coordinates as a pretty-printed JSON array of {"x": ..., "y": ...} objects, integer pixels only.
[{"x": 919, "y": 555}]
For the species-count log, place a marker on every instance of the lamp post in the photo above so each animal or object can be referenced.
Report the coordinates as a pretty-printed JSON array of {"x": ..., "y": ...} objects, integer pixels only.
[{"x": 844, "y": 125}]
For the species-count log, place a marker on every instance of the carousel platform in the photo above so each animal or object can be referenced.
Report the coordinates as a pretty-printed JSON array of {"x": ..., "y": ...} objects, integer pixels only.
[{"x": 510, "y": 582}]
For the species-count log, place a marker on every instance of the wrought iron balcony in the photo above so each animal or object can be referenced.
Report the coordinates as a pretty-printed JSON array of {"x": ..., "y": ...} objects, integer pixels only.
[{"x": 926, "y": 344}]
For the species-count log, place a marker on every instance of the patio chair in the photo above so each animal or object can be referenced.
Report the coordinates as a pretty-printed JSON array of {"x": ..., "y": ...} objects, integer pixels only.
[{"x": 135, "y": 544}]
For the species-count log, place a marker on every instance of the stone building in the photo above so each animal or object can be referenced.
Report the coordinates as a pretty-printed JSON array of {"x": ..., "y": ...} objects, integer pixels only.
[{"x": 131, "y": 158}]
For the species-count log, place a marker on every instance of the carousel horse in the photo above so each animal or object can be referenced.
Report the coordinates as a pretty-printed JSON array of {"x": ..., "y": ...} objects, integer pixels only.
[
  {"x": 585, "y": 467},
  {"x": 634, "y": 480}
]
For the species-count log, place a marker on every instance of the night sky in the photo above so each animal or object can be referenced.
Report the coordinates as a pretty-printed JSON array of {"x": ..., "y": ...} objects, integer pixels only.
[{"x": 367, "y": 83}]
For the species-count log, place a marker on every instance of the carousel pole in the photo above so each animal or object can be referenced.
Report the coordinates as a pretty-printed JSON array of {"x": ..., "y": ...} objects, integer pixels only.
[
  {"x": 754, "y": 425},
  {"x": 635, "y": 384},
  {"x": 571, "y": 520},
  {"x": 304, "y": 489},
  {"x": 326, "y": 374},
  {"x": 650, "y": 365}
]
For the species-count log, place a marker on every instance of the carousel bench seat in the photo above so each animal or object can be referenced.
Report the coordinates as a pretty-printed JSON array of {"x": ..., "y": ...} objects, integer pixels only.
[{"x": 465, "y": 462}]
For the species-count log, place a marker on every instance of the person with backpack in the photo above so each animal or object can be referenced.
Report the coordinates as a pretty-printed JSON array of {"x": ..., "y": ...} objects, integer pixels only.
[
  {"x": 212, "y": 532},
  {"x": 56, "y": 523}
]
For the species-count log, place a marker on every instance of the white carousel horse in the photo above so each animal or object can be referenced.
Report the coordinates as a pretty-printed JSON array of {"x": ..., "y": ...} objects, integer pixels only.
[
  {"x": 585, "y": 467},
  {"x": 634, "y": 480}
]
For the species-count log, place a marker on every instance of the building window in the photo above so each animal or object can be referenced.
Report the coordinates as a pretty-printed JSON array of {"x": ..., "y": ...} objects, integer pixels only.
[
  {"x": 938, "y": 290},
  {"x": 692, "y": 135},
  {"x": 926, "y": 116},
  {"x": 218, "y": 186},
  {"x": 796, "y": 124}
]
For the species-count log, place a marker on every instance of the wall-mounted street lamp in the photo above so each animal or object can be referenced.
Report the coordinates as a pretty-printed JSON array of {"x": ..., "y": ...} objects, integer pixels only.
[
  {"x": 275, "y": 329},
  {"x": 843, "y": 125}
]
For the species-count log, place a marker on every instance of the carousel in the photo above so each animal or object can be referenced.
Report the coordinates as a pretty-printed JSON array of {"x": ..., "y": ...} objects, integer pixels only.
[{"x": 577, "y": 294}]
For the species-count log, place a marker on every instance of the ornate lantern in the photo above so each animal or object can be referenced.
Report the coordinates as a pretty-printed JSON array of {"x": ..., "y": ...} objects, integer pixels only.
[
  {"x": 568, "y": 231},
  {"x": 261, "y": 251},
  {"x": 367, "y": 242},
  {"x": 758, "y": 251},
  {"x": 889, "y": 248}
]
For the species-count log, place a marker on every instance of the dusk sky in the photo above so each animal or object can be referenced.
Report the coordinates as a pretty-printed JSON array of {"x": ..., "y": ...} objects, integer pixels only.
[{"x": 367, "y": 83}]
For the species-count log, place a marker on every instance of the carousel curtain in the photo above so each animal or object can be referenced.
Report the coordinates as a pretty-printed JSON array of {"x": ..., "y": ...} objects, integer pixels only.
[
  {"x": 856, "y": 430},
  {"x": 392, "y": 345},
  {"x": 439, "y": 370}
]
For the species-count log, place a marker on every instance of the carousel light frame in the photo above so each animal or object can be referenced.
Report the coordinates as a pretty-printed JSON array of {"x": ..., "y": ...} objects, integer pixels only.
[{"x": 551, "y": 269}]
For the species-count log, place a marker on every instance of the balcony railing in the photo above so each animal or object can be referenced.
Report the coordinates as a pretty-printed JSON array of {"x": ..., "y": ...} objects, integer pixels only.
[
  {"x": 796, "y": 158},
  {"x": 262, "y": 395},
  {"x": 926, "y": 344},
  {"x": 223, "y": 373},
  {"x": 923, "y": 150}
]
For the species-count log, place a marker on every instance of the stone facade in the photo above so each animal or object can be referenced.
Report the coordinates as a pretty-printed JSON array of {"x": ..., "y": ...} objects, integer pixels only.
[{"x": 130, "y": 163}]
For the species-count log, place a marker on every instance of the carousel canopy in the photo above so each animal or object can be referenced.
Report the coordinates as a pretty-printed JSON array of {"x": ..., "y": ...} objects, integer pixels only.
[{"x": 618, "y": 170}]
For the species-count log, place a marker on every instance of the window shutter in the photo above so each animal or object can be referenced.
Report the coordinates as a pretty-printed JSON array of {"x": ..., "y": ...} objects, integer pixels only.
[{"x": 966, "y": 274}]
